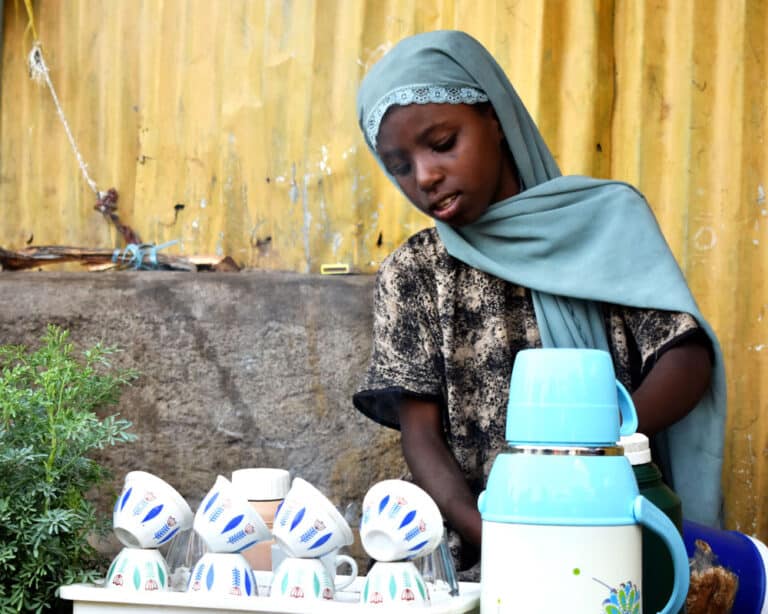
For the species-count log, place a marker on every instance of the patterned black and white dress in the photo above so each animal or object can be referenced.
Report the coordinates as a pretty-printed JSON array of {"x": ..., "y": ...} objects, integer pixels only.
[{"x": 446, "y": 332}]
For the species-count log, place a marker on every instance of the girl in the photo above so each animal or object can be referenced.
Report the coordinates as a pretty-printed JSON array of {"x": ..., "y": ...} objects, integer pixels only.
[{"x": 519, "y": 257}]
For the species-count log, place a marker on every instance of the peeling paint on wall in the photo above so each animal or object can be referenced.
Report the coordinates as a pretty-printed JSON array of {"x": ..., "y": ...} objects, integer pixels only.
[{"x": 705, "y": 238}]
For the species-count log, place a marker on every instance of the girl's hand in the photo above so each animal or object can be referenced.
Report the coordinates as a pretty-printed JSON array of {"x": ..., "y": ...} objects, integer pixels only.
[{"x": 435, "y": 469}]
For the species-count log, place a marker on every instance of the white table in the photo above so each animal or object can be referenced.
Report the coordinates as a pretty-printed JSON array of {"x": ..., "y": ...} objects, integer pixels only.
[{"x": 94, "y": 599}]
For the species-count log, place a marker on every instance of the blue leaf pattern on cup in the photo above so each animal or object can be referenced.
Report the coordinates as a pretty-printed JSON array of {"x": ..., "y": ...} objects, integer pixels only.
[
  {"x": 162, "y": 531},
  {"x": 152, "y": 513},
  {"x": 209, "y": 578},
  {"x": 248, "y": 545},
  {"x": 125, "y": 498},
  {"x": 297, "y": 518},
  {"x": 199, "y": 572},
  {"x": 233, "y": 523},
  {"x": 383, "y": 503},
  {"x": 247, "y": 583},
  {"x": 321, "y": 541},
  {"x": 307, "y": 535},
  {"x": 210, "y": 502},
  {"x": 167, "y": 537},
  {"x": 408, "y": 518},
  {"x": 418, "y": 546},
  {"x": 236, "y": 537},
  {"x": 395, "y": 509},
  {"x": 217, "y": 512},
  {"x": 283, "y": 516}
]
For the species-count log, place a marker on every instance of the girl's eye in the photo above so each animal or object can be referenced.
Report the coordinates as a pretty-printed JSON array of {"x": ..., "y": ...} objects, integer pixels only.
[
  {"x": 400, "y": 169},
  {"x": 445, "y": 144}
]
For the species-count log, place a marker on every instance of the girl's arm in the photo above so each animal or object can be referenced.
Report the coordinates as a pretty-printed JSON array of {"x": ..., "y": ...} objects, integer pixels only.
[
  {"x": 673, "y": 386},
  {"x": 435, "y": 469}
]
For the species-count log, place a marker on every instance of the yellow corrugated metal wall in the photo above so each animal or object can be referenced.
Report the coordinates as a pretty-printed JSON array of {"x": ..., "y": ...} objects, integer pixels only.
[{"x": 244, "y": 112}]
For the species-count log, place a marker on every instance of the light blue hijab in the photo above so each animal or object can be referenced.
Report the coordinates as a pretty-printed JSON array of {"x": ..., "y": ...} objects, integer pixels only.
[{"x": 574, "y": 241}]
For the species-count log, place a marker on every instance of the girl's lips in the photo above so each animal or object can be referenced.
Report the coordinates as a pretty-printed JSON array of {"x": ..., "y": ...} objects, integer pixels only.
[{"x": 446, "y": 208}]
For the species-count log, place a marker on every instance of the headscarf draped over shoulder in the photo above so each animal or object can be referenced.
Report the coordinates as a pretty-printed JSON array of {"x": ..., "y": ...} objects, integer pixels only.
[{"x": 574, "y": 241}]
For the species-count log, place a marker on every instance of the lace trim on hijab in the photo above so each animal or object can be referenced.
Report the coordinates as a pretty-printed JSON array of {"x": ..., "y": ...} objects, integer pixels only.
[{"x": 419, "y": 94}]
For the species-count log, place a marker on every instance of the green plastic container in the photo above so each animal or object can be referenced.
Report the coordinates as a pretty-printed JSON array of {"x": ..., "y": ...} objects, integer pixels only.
[{"x": 658, "y": 574}]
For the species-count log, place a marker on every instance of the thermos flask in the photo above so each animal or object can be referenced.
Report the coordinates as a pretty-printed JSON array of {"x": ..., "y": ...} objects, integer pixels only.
[{"x": 562, "y": 514}]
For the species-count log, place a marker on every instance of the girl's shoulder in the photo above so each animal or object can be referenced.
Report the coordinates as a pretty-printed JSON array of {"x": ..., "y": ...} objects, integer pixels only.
[{"x": 422, "y": 252}]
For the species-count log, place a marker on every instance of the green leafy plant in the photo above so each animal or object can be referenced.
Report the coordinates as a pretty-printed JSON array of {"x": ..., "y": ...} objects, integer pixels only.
[{"x": 48, "y": 427}]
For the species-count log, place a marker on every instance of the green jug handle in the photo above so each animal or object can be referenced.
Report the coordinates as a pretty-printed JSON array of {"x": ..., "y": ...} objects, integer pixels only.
[
  {"x": 648, "y": 515},
  {"x": 627, "y": 410}
]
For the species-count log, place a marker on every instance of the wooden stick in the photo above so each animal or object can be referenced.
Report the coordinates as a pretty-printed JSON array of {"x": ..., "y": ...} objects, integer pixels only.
[{"x": 32, "y": 257}]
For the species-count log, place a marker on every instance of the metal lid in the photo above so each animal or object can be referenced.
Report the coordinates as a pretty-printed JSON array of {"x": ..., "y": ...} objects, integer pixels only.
[
  {"x": 636, "y": 448},
  {"x": 262, "y": 483},
  {"x": 565, "y": 450}
]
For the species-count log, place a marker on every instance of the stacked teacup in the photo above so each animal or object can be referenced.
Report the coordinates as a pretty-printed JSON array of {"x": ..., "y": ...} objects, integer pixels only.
[
  {"x": 309, "y": 530},
  {"x": 400, "y": 523},
  {"x": 228, "y": 524},
  {"x": 148, "y": 514}
]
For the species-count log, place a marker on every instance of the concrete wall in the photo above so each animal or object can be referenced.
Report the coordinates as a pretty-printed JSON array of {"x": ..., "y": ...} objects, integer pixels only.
[{"x": 238, "y": 370}]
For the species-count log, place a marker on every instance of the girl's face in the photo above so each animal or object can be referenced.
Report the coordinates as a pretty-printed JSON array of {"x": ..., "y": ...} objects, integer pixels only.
[{"x": 450, "y": 160}]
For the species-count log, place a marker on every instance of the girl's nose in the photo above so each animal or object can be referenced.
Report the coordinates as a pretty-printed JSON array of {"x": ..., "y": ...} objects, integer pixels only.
[{"x": 428, "y": 174}]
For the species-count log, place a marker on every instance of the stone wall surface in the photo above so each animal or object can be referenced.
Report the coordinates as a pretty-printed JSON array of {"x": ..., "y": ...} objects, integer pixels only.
[{"x": 238, "y": 370}]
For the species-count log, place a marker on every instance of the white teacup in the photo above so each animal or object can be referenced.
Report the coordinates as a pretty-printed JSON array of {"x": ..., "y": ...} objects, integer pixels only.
[
  {"x": 226, "y": 520},
  {"x": 333, "y": 560},
  {"x": 149, "y": 512},
  {"x": 396, "y": 583},
  {"x": 308, "y": 525},
  {"x": 223, "y": 573},
  {"x": 306, "y": 579},
  {"x": 400, "y": 522},
  {"x": 138, "y": 569}
]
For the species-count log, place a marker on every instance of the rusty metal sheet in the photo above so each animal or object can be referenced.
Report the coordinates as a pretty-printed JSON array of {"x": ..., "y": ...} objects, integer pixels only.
[{"x": 243, "y": 112}]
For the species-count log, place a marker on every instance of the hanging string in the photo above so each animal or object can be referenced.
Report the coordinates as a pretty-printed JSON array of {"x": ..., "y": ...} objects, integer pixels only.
[
  {"x": 38, "y": 70},
  {"x": 31, "y": 21},
  {"x": 106, "y": 201}
]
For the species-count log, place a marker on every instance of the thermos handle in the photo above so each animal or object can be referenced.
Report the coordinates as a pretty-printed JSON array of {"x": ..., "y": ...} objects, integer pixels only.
[
  {"x": 627, "y": 410},
  {"x": 647, "y": 514}
]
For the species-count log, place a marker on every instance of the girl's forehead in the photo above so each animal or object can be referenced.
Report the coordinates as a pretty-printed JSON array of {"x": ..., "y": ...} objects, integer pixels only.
[
  {"x": 414, "y": 121},
  {"x": 416, "y": 94}
]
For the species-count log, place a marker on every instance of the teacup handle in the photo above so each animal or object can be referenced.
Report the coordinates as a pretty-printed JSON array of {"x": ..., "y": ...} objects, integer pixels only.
[
  {"x": 627, "y": 410},
  {"x": 340, "y": 560}
]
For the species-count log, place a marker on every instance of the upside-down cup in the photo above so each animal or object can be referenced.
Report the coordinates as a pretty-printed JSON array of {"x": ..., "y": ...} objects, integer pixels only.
[
  {"x": 223, "y": 573},
  {"x": 400, "y": 522},
  {"x": 226, "y": 521},
  {"x": 394, "y": 584},
  {"x": 306, "y": 579},
  {"x": 138, "y": 570},
  {"x": 308, "y": 525},
  {"x": 149, "y": 512}
]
